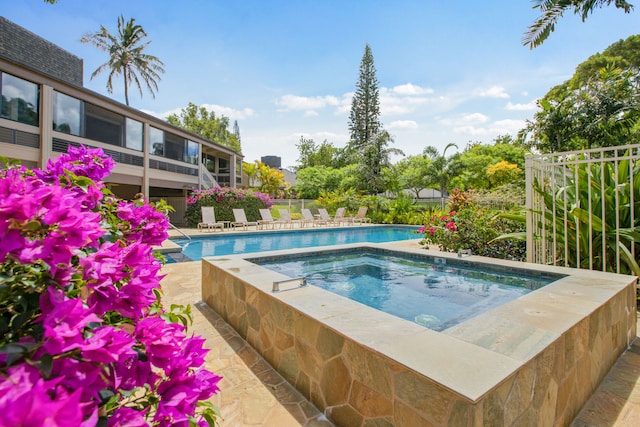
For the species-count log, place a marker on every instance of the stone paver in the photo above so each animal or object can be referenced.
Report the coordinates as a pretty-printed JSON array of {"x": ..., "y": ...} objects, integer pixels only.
[
  {"x": 616, "y": 402},
  {"x": 252, "y": 393}
]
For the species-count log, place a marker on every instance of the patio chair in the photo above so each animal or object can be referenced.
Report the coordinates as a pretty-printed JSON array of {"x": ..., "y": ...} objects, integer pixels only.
[
  {"x": 285, "y": 216},
  {"x": 240, "y": 218},
  {"x": 267, "y": 220},
  {"x": 324, "y": 215},
  {"x": 360, "y": 217},
  {"x": 340, "y": 218},
  {"x": 308, "y": 218},
  {"x": 209, "y": 220}
]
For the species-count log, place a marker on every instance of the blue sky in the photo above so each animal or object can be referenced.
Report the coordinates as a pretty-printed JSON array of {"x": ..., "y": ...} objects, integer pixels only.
[{"x": 448, "y": 72}]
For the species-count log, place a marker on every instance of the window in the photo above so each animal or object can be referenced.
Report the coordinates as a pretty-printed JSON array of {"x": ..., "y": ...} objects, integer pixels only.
[
  {"x": 156, "y": 142},
  {"x": 67, "y": 112},
  {"x": 134, "y": 134},
  {"x": 209, "y": 162},
  {"x": 103, "y": 125},
  {"x": 19, "y": 100},
  {"x": 223, "y": 165},
  {"x": 174, "y": 147},
  {"x": 192, "y": 153}
]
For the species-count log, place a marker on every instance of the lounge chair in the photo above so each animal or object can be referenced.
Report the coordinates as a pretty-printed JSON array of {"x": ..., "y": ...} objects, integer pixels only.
[
  {"x": 324, "y": 215},
  {"x": 285, "y": 216},
  {"x": 308, "y": 218},
  {"x": 360, "y": 217},
  {"x": 267, "y": 220},
  {"x": 337, "y": 219},
  {"x": 340, "y": 218},
  {"x": 209, "y": 220},
  {"x": 241, "y": 219}
]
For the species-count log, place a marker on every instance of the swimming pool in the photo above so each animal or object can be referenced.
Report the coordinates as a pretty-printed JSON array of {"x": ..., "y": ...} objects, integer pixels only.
[
  {"x": 433, "y": 295},
  {"x": 242, "y": 243}
]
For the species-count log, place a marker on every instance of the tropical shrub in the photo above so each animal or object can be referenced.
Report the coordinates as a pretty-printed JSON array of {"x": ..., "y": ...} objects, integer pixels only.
[
  {"x": 586, "y": 216},
  {"x": 224, "y": 200},
  {"x": 84, "y": 340},
  {"x": 505, "y": 197},
  {"x": 473, "y": 228},
  {"x": 332, "y": 200}
]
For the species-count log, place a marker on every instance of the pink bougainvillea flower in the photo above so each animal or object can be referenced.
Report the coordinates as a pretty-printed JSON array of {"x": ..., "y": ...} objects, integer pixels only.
[
  {"x": 65, "y": 322},
  {"x": 28, "y": 400},
  {"x": 95, "y": 328},
  {"x": 81, "y": 161},
  {"x": 107, "y": 344},
  {"x": 127, "y": 417}
]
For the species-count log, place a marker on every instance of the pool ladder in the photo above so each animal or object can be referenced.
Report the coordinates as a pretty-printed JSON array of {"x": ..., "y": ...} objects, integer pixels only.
[{"x": 276, "y": 283}]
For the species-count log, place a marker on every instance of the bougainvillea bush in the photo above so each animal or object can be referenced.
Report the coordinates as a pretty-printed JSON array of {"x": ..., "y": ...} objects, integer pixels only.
[
  {"x": 224, "y": 200},
  {"x": 468, "y": 226},
  {"x": 84, "y": 340}
]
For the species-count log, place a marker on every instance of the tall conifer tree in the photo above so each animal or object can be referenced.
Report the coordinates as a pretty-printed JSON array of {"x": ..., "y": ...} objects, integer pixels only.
[
  {"x": 364, "y": 119},
  {"x": 368, "y": 142}
]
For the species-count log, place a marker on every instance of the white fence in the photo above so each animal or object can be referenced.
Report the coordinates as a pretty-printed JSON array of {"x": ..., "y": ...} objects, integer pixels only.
[{"x": 585, "y": 208}]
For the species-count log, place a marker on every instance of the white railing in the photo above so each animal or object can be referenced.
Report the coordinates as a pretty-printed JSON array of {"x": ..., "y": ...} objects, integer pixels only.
[
  {"x": 208, "y": 181},
  {"x": 589, "y": 200}
]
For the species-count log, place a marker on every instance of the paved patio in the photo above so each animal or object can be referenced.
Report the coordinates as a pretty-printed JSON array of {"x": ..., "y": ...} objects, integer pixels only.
[{"x": 254, "y": 394}]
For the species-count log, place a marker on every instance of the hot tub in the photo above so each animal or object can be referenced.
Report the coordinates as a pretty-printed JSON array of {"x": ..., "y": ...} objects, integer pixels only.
[{"x": 532, "y": 361}]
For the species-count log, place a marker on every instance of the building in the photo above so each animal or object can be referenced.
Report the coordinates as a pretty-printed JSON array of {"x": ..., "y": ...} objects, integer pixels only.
[{"x": 44, "y": 108}]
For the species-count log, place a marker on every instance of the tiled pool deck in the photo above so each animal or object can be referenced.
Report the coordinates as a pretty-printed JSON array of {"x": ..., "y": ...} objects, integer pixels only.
[{"x": 253, "y": 394}]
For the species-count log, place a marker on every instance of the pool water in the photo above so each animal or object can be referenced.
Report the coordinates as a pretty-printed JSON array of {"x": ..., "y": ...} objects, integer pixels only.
[
  {"x": 229, "y": 244},
  {"x": 433, "y": 295}
]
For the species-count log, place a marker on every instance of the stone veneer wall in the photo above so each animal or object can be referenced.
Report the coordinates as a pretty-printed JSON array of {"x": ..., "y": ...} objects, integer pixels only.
[{"x": 356, "y": 386}]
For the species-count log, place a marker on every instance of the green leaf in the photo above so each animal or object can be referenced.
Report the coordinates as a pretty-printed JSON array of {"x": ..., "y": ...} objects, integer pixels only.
[{"x": 44, "y": 365}]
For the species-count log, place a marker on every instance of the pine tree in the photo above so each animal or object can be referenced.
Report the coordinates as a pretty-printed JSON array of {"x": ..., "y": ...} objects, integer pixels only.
[
  {"x": 236, "y": 130},
  {"x": 368, "y": 144},
  {"x": 364, "y": 119}
]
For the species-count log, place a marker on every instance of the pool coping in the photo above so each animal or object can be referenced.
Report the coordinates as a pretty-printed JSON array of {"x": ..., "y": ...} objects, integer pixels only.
[{"x": 500, "y": 341}]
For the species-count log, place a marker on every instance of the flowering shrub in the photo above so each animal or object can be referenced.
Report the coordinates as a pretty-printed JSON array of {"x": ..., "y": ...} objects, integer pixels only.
[
  {"x": 84, "y": 339},
  {"x": 474, "y": 228},
  {"x": 224, "y": 200},
  {"x": 440, "y": 230}
]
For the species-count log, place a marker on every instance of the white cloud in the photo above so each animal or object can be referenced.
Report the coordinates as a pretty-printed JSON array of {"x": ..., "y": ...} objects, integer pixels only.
[
  {"x": 219, "y": 110},
  {"x": 499, "y": 127},
  {"x": 402, "y": 124},
  {"x": 294, "y": 102},
  {"x": 402, "y": 99},
  {"x": 411, "y": 89},
  {"x": 522, "y": 107},
  {"x": 311, "y": 113},
  {"x": 508, "y": 126},
  {"x": 232, "y": 113},
  {"x": 344, "y": 107},
  {"x": 473, "y": 119},
  {"x": 492, "y": 92},
  {"x": 471, "y": 130}
]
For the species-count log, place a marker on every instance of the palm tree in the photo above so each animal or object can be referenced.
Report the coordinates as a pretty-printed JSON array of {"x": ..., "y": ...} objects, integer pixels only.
[
  {"x": 126, "y": 57},
  {"x": 552, "y": 10},
  {"x": 440, "y": 171}
]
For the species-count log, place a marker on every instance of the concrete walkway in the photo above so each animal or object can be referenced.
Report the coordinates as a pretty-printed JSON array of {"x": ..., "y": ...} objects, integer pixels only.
[{"x": 254, "y": 394}]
